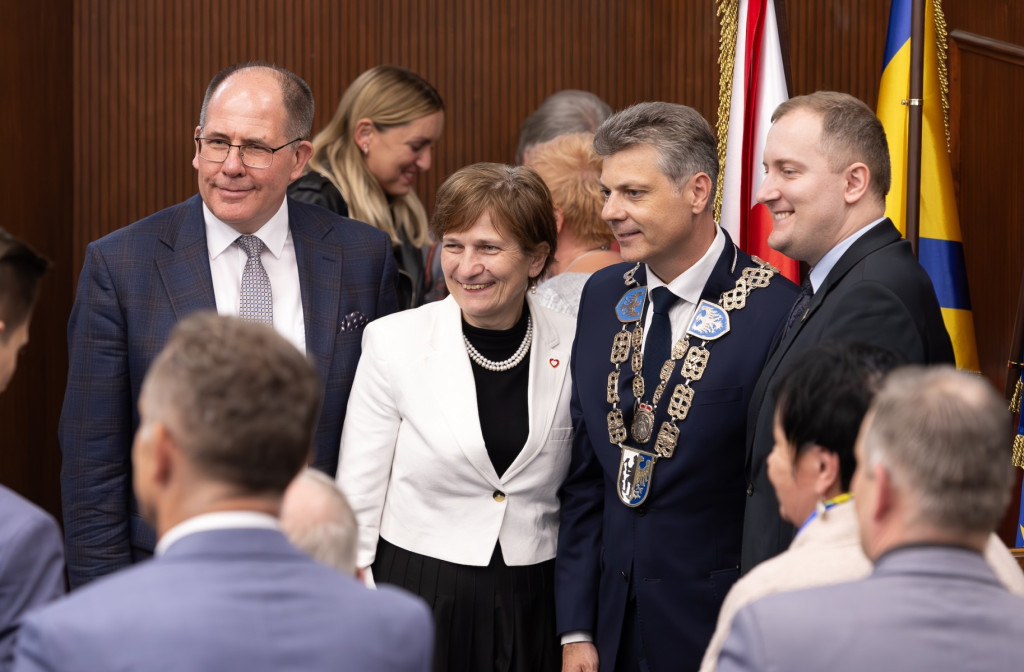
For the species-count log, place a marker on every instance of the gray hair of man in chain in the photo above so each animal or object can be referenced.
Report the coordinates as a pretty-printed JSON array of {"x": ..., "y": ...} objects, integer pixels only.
[{"x": 685, "y": 142}]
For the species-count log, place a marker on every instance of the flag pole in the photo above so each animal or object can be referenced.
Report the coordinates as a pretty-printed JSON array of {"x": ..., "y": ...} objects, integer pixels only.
[{"x": 915, "y": 104}]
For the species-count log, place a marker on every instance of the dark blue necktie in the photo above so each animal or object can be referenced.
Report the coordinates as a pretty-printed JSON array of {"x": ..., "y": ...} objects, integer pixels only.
[
  {"x": 800, "y": 307},
  {"x": 658, "y": 344}
]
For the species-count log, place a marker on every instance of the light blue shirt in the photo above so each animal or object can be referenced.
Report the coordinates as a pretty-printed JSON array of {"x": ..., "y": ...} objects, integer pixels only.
[{"x": 828, "y": 262}]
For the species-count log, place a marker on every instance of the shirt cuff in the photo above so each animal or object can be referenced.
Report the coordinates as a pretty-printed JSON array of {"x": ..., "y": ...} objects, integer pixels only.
[{"x": 576, "y": 636}]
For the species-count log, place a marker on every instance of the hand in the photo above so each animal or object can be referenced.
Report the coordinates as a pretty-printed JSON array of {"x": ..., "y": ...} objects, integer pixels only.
[{"x": 579, "y": 657}]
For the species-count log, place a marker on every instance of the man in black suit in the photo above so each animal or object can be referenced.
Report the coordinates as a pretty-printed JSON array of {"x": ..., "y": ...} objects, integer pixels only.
[{"x": 827, "y": 175}]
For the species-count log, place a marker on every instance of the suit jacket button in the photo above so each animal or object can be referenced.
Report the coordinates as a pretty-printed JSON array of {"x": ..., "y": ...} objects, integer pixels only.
[
  {"x": 499, "y": 496},
  {"x": 625, "y": 577},
  {"x": 750, "y": 490}
]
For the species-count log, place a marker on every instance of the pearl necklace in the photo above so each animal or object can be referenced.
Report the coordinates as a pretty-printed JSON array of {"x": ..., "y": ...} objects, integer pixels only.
[{"x": 517, "y": 357}]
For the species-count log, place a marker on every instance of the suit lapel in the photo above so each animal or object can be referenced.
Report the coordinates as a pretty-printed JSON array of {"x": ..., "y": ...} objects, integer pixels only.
[
  {"x": 456, "y": 401},
  {"x": 549, "y": 361},
  {"x": 876, "y": 238},
  {"x": 319, "y": 259},
  {"x": 183, "y": 261}
]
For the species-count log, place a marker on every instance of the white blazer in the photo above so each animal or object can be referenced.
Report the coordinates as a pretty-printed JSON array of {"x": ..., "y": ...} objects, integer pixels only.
[{"x": 413, "y": 462}]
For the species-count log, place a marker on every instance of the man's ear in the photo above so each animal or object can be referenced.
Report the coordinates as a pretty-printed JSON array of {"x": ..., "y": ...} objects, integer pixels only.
[
  {"x": 885, "y": 496},
  {"x": 858, "y": 179},
  {"x": 559, "y": 219},
  {"x": 303, "y": 152},
  {"x": 195, "y": 157},
  {"x": 166, "y": 454},
  {"x": 700, "y": 190}
]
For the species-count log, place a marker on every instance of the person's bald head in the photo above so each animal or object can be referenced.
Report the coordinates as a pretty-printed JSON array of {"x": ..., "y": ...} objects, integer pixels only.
[{"x": 316, "y": 518}]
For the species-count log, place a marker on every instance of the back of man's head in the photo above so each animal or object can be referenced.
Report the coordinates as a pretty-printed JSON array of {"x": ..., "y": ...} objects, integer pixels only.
[
  {"x": 238, "y": 399},
  {"x": 20, "y": 271},
  {"x": 850, "y": 133},
  {"x": 567, "y": 111},
  {"x": 317, "y": 519},
  {"x": 685, "y": 142},
  {"x": 823, "y": 396},
  {"x": 942, "y": 435}
]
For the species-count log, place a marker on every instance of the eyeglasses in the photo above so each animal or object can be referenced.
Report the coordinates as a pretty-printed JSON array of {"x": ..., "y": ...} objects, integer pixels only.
[{"x": 254, "y": 156}]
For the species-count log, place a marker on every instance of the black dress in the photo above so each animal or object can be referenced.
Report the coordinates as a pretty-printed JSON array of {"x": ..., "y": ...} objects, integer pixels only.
[{"x": 496, "y": 617}]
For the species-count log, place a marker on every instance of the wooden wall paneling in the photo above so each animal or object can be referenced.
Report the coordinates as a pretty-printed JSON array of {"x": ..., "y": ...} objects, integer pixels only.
[
  {"x": 837, "y": 45},
  {"x": 36, "y": 182},
  {"x": 140, "y": 69},
  {"x": 989, "y": 102}
]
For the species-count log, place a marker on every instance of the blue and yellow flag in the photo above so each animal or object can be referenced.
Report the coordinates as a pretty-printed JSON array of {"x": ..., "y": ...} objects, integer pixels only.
[{"x": 940, "y": 248}]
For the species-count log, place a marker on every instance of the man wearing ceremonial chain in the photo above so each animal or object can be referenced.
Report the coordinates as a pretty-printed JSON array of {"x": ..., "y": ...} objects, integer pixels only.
[{"x": 668, "y": 348}]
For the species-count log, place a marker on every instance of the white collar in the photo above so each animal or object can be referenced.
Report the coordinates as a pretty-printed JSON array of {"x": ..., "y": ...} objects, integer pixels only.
[
  {"x": 220, "y": 236},
  {"x": 219, "y": 520},
  {"x": 689, "y": 284}
]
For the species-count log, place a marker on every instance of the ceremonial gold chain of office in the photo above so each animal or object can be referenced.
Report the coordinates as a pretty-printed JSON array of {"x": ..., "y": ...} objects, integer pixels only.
[{"x": 695, "y": 361}]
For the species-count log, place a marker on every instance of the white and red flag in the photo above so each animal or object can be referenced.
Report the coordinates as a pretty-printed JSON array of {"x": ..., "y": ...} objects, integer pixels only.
[{"x": 758, "y": 87}]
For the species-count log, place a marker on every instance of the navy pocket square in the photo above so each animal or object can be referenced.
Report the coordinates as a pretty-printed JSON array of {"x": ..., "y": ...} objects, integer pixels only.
[{"x": 353, "y": 322}]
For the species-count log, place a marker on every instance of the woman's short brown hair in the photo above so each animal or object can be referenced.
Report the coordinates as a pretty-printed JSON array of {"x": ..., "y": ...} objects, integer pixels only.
[{"x": 515, "y": 197}]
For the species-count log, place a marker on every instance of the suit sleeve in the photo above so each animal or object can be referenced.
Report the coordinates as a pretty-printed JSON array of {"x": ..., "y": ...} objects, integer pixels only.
[
  {"x": 577, "y": 563},
  {"x": 31, "y": 653},
  {"x": 743, "y": 650},
  {"x": 368, "y": 442},
  {"x": 31, "y": 574},
  {"x": 95, "y": 429}
]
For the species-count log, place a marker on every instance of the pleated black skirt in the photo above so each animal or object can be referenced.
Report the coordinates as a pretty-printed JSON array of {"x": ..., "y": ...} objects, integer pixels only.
[{"x": 496, "y": 617}]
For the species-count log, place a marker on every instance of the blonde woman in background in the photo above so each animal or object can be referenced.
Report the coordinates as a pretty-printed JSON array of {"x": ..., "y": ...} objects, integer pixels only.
[
  {"x": 366, "y": 159},
  {"x": 572, "y": 172}
]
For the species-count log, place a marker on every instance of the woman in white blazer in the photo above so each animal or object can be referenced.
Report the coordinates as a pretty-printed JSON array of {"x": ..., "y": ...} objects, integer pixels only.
[{"x": 457, "y": 434}]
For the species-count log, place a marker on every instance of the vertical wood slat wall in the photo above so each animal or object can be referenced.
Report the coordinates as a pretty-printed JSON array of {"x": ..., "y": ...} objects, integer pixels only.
[
  {"x": 140, "y": 70},
  {"x": 101, "y": 98}
]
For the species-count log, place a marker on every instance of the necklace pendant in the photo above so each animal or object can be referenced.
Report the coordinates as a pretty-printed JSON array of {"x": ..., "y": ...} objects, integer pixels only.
[{"x": 643, "y": 422}]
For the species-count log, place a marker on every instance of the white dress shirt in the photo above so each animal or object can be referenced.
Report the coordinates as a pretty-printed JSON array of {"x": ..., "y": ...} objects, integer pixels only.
[
  {"x": 688, "y": 286},
  {"x": 227, "y": 261}
]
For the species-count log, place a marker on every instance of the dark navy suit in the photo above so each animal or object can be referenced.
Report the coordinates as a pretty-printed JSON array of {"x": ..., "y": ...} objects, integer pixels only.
[
  {"x": 876, "y": 293},
  {"x": 136, "y": 284},
  {"x": 679, "y": 549},
  {"x": 229, "y": 599}
]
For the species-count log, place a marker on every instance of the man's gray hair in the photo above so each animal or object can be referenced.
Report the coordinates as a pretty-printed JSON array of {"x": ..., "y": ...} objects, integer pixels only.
[
  {"x": 683, "y": 138},
  {"x": 943, "y": 434},
  {"x": 567, "y": 111},
  {"x": 322, "y": 524}
]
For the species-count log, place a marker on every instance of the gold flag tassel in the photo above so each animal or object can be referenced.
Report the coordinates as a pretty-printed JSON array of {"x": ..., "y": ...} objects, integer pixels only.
[
  {"x": 1018, "y": 441},
  {"x": 728, "y": 11}
]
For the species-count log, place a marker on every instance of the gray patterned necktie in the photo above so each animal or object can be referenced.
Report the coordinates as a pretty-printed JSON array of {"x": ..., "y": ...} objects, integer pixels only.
[{"x": 256, "y": 300}]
